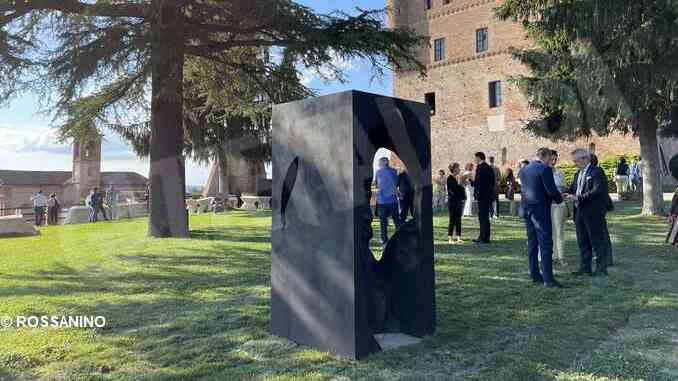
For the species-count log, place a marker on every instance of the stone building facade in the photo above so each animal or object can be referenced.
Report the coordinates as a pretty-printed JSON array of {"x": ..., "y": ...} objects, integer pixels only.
[
  {"x": 17, "y": 187},
  {"x": 469, "y": 67}
]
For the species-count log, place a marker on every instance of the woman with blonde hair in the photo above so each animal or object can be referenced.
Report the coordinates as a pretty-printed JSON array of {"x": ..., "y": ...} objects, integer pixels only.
[{"x": 466, "y": 179}]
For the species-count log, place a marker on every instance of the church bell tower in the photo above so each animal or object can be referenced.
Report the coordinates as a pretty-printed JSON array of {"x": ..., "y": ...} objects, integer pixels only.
[{"x": 86, "y": 167}]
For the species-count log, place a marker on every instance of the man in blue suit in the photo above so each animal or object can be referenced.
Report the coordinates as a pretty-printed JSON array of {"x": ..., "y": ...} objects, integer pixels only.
[
  {"x": 538, "y": 191},
  {"x": 591, "y": 202}
]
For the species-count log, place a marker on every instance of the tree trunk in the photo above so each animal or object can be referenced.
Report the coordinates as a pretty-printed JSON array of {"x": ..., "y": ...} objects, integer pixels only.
[
  {"x": 168, "y": 216},
  {"x": 222, "y": 161},
  {"x": 653, "y": 199}
]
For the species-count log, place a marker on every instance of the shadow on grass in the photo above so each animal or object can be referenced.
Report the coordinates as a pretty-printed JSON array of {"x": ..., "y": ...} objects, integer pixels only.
[{"x": 200, "y": 311}]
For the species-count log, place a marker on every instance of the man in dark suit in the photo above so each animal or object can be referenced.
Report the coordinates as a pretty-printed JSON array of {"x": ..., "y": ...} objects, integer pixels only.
[
  {"x": 538, "y": 191},
  {"x": 485, "y": 188},
  {"x": 405, "y": 195},
  {"x": 590, "y": 192}
]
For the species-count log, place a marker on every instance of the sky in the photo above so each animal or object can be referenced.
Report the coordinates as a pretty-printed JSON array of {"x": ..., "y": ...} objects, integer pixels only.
[{"x": 28, "y": 139}]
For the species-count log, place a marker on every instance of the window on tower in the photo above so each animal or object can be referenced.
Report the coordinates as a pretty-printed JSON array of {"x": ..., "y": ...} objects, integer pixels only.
[
  {"x": 430, "y": 99},
  {"x": 482, "y": 40},
  {"x": 495, "y": 94},
  {"x": 439, "y": 45},
  {"x": 429, "y": 4}
]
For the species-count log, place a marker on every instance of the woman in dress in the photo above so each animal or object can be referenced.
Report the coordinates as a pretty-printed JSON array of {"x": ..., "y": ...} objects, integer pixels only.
[
  {"x": 466, "y": 179},
  {"x": 510, "y": 184},
  {"x": 456, "y": 195},
  {"x": 440, "y": 198}
]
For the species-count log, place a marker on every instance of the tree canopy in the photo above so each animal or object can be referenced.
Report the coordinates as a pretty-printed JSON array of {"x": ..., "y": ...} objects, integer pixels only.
[
  {"x": 602, "y": 66},
  {"x": 119, "y": 61}
]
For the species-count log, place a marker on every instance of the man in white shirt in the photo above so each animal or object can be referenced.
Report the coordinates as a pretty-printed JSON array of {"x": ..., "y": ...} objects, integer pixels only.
[
  {"x": 558, "y": 214},
  {"x": 39, "y": 204}
]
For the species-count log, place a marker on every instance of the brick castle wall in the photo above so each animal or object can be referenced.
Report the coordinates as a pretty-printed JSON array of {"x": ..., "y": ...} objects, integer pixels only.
[{"x": 464, "y": 123}]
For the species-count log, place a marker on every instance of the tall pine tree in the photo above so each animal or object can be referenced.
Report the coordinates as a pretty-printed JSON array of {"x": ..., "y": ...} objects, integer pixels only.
[{"x": 119, "y": 54}]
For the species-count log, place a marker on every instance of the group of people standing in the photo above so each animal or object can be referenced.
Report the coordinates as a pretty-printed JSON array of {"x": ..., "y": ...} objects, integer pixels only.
[
  {"x": 629, "y": 179},
  {"x": 591, "y": 200},
  {"x": 42, "y": 204},
  {"x": 482, "y": 185},
  {"x": 95, "y": 203},
  {"x": 543, "y": 190}
]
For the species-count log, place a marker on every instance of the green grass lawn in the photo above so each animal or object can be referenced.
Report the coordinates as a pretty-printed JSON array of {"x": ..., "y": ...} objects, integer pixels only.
[{"x": 198, "y": 309}]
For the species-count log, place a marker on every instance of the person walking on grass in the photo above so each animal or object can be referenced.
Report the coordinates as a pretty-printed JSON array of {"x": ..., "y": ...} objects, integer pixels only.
[
  {"x": 456, "y": 197},
  {"x": 538, "y": 192},
  {"x": 485, "y": 187},
  {"x": 589, "y": 190},
  {"x": 53, "y": 209},
  {"x": 39, "y": 204},
  {"x": 386, "y": 180},
  {"x": 112, "y": 198}
]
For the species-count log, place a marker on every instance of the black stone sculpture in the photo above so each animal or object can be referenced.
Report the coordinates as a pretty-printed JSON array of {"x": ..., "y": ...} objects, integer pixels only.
[{"x": 328, "y": 290}]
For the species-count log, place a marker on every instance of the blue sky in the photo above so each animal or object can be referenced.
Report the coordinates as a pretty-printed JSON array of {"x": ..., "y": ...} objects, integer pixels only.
[{"x": 28, "y": 141}]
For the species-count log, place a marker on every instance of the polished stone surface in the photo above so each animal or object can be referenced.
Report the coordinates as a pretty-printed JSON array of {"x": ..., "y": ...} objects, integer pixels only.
[{"x": 16, "y": 226}]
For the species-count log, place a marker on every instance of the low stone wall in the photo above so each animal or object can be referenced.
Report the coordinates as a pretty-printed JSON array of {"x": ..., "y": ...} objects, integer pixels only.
[
  {"x": 255, "y": 202},
  {"x": 15, "y": 226},
  {"x": 80, "y": 214}
]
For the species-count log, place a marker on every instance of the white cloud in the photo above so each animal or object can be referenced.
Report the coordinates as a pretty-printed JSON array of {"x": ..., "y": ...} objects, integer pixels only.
[
  {"x": 324, "y": 73},
  {"x": 37, "y": 149},
  {"x": 31, "y": 139}
]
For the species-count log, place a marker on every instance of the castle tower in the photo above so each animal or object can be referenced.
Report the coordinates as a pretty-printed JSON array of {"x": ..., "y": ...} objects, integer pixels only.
[
  {"x": 86, "y": 168},
  {"x": 474, "y": 104}
]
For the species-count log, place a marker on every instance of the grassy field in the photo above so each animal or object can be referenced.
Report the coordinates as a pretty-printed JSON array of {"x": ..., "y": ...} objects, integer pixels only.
[{"x": 198, "y": 309}]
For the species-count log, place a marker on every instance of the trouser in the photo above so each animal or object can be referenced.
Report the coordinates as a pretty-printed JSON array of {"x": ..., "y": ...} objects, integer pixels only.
[
  {"x": 113, "y": 211},
  {"x": 484, "y": 219},
  {"x": 52, "y": 215},
  {"x": 100, "y": 208},
  {"x": 406, "y": 207},
  {"x": 622, "y": 183},
  {"x": 92, "y": 214},
  {"x": 385, "y": 211},
  {"x": 591, "y": 237},
  {"x": 558, "y": 216},
  {"x": 39, "y": 215},
  {"x": 495, "y": 207},
  {"x": 539, "y": 242},
  {"x": 455, "y": 211}
]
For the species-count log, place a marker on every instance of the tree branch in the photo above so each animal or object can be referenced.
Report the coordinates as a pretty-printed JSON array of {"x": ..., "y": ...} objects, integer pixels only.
[{"x": 133, "y": 10}]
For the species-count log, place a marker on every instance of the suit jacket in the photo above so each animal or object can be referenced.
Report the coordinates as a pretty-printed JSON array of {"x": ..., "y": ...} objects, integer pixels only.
[
  {"x": 456, "y": 195},
  {"x": 405, "y": 185},
  {"x": 594, "y": 197},
  {"x": 538, "y": 188},
  {"x": 484, "y": 184}
]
